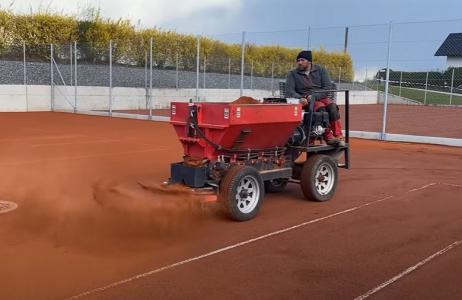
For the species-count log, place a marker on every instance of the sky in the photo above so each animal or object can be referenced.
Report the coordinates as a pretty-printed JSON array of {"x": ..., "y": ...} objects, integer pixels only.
[{"x": 286, "y": 23}]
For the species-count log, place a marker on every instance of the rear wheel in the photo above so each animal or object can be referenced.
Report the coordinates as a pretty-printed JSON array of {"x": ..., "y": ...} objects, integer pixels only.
[
  {"x": 276, "y": 185},
  {"x": 319, "y": 178},
  {"x": 241, "y": 192}
]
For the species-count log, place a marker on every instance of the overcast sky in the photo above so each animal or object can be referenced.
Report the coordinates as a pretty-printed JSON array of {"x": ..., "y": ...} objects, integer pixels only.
[{"x": 413, "y": 49}]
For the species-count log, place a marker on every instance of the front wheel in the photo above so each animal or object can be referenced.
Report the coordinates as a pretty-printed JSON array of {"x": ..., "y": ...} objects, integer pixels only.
[
  {"x": 241, "y": 192},
  {"x": 319, "y": 177}
]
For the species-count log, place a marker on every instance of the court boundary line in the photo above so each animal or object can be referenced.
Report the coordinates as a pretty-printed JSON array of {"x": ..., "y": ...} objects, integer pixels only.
[
  {"x": 451, "y": 184},
  {"x": 408, "y": 271},
  {"x": 236, "y": 245},
  {"x": 419, "y": 264}
]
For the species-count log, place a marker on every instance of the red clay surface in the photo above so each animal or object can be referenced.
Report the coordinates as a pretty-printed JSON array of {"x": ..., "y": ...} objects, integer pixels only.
[
  {"x": 402, "y": 119},
  {"x": 84, "y": 222}
]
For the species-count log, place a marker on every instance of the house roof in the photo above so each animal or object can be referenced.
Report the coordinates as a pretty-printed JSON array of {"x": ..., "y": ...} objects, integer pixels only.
[{"x": 452, "y": 46}]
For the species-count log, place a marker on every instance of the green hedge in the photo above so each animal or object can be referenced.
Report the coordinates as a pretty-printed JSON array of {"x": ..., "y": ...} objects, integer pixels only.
[{"x": 93, "y": 33}]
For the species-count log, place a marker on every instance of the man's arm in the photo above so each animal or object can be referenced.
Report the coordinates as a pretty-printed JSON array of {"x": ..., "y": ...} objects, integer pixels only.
[
  {"x": 290, "y": 87},
  {"x": 325, "y": 84}
]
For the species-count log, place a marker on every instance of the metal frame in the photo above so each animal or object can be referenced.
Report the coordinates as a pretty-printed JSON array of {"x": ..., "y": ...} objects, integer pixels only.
[
  {"x": 198, "y": 177},
  {"x": 75, "y": 77},
  {"x": 25, "y": 74},
  {"x": 320, "y": 149},
  {"x": 110, "y": 78},
  {"x": 52, "y": 82}
]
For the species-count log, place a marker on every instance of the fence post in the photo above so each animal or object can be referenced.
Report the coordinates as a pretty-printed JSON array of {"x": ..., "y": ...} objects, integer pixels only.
[
  {"x": 198, "y": 55},
  {"x": 52, "y": 79},
  {"x": 229, "y": 72},
  {"x": 400, "y": 82},
  {"x": 177, "y": 79},
  {"x": 70, "y": 56},
  {"x": 150, "y": 78},
  {"x": 25, "y": 74},
  {"x": 345, "y": 47},
  {"x": 365, "y": 81},
  {"x": 426, "y": 88},
  {"x": 205, "y": 68},
  {"x": 339, "y": 76},
  {"x": 146, "y": 90},
  {"x": 251, "y": 76},
  {"x": 242, "y": 63},
  {"x": 75, "y": 76},
  {"x": 387, "y": 81},
  {"x": 452, "y": 86},
  {"x": 309, "y": 39},
  {"x": 272, "y": 78},
  {"x": 110, "y": 78}
]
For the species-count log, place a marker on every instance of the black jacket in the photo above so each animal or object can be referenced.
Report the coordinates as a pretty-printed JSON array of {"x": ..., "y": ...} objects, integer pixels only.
[{"x": 299, "y": 85}]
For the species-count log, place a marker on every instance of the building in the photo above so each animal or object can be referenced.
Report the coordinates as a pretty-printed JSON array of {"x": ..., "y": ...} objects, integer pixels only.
[{"x": 452, "y": 49}]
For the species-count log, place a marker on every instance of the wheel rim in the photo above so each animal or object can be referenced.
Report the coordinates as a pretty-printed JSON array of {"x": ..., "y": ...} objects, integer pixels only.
[
  {"x": 324, "y": 179},
  {"x": 248, "y": 193}
]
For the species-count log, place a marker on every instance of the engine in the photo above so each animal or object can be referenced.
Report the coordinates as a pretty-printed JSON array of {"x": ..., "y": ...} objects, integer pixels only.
[{"x": 319, "y": 123}]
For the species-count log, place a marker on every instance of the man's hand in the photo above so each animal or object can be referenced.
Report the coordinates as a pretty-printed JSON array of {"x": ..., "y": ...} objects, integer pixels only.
[{"x": 304, "y": 101}]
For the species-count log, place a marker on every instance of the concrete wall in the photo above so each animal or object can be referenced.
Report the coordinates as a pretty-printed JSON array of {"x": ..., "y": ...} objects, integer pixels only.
[
  {"x": 24, "y": 98},
  {"x": 393, "y": 99},
  {"x": 37, "y": 97},
  {"x": 358, "y": 97},
  {"x": 97, "y": 98}
]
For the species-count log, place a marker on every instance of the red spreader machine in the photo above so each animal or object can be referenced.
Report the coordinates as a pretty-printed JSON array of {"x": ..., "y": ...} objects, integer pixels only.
[{"x": 234, "y": 153}]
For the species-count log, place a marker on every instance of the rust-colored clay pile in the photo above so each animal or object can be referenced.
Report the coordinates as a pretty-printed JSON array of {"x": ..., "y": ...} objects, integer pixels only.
[{"x": 245, "y": 100}]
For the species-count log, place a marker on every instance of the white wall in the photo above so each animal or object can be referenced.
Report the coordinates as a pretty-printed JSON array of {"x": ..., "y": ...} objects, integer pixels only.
[
  {"x": 393, "y": 99},
  {"x": 454, "y": 61},
  {"x": 37, "y": 98},
  {"x": 97, "y": 98},
  {"x": 13, "y": 98},
  {"x": 358, "y": 97}
]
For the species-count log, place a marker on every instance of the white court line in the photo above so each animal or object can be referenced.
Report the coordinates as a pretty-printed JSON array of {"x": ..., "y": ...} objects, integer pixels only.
[
  {"x": 224, "y": 249},
  {"x": 230, "y": 247},
  {"x": 453, "y": 185},
  {"x": 10, "y": 206},
  {"x": 423, "y": 187},
  {"x": 408, "y": 271}
]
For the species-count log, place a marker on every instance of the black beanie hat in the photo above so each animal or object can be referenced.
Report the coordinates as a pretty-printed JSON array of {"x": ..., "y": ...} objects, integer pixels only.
[{"x": 306, "y": 54}]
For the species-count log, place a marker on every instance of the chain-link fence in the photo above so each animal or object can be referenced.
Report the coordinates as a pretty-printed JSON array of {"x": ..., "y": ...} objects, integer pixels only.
[
  {"x": 401, "y": 79},
  {"x": 424, "y": 79}
]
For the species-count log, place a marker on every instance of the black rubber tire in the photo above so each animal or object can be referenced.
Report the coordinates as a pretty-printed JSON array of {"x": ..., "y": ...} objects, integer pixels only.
[
  {"x": 228, "y": 190},
  {"x": 276, "y": 185},
  {"x": 308, "y": 177}
]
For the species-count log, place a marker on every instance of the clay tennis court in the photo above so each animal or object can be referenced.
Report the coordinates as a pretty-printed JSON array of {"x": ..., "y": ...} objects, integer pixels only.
[{"x": 86, "y": 229}]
